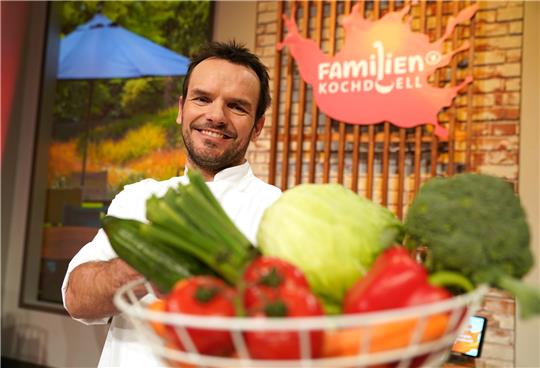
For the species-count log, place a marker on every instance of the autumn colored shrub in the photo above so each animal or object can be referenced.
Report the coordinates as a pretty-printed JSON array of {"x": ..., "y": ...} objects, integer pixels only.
[
  {"x": 161, "y": 165},
  {"x": 135, "y": 144}
]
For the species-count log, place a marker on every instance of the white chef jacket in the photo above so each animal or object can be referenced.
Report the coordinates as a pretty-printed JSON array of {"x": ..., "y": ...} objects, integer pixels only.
[{"x": 243, "y": 196}]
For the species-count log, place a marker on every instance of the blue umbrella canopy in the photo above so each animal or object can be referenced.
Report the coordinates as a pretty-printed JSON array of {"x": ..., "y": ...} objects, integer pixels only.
[{"x": 100, "y": 49}]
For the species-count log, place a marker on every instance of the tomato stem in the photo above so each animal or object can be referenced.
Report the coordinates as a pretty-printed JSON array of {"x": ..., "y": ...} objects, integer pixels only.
[
  {"x": 272, "y": 279},
  {"x": 276, "y": 309}
]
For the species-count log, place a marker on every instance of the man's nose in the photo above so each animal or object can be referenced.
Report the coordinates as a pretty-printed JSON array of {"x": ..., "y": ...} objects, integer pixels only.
[{"x": 216, "y": 112}]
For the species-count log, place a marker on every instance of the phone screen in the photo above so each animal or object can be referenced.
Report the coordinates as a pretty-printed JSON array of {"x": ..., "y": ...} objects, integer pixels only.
[{"x": 469, "y": 342}]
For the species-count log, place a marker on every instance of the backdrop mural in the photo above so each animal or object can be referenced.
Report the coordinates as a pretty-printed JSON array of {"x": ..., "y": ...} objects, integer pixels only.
[
  {"x": 381, "y": 73},
  {"x": 111, "y": 132}
]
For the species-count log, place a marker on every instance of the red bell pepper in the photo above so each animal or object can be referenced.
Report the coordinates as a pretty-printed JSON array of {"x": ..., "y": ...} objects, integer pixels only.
[{"x": 395, "y": 280}]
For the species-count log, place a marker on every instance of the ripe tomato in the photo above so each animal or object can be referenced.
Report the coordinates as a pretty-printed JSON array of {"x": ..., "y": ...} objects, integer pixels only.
[
  {"x": 291, "y": 301},
  {"x": 266, "y": 276},
  {"x": 273, "y": 272},
  {"x": 205, "y": 296}
]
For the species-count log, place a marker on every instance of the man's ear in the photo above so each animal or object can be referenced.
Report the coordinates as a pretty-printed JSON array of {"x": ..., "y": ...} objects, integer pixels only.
[
  {"x": 179, "y": 116},
  {"x": 257, "y": 129}
]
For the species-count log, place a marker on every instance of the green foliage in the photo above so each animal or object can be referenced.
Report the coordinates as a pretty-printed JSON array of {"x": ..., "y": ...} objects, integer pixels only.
[
  {"x": 143, "y": 95},
  {"x": 474, "y": 224},
  {"x": 136, "y": 143}
]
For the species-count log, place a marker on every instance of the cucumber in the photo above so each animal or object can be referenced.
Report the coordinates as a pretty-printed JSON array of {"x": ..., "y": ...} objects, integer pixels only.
[{"x": 158, "y": 263}]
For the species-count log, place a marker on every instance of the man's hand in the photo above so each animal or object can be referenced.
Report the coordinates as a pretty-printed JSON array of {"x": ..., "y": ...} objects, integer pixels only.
[{"x": 92, "y": 285}]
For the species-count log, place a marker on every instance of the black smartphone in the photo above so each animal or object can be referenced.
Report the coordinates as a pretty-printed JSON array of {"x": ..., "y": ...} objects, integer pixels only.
[{"x": 469, "y": 342}]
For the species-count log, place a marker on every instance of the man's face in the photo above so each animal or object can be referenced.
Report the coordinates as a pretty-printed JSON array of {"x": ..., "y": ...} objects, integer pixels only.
[{"x": 218, "y": 115}]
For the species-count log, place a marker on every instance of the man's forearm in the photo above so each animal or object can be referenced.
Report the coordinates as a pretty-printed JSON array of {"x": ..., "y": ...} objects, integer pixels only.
[{"x": 92, "y": 285}]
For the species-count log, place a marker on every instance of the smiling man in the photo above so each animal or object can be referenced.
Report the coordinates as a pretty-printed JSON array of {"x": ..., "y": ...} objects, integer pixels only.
[
  {"x": 224, "y": 98},
  {"x": 219, "y": 114}
]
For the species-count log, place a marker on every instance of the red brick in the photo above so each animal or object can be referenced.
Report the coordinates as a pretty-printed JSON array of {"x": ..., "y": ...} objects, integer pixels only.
[
  {"x": 501, "y": 42},
  {"x": 487, "y": 114},
  {"x": 509, "y": 13},
  {"x": 504, "y": 129},
  {"x": 505, "y": 172},
  {"x": 488, "y": 16},
  {"x": 507, "y": 113},
  {"x": 485, "y": 71},
  {"x": 491, "y": 4},
  {"x": 512, "y": 84},
  {"x": 511, "y": 98},
  {"x": 497, "y": 143},
  {"x": 513, "y": 56},
  {"x": 515, "y": 27},
  {"x": 489, "y": 57},
  {"x": 487, "y": 99},
  {"x": 483, "y": 29},
  {"x": 488, "y": 85}
]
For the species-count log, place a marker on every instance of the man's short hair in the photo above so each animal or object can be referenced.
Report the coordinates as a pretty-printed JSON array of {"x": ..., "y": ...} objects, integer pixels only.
[{"x": 237, "y": 54}]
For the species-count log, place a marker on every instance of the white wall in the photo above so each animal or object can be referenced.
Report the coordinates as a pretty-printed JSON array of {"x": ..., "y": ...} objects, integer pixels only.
[{"x": 235, "y": 20}]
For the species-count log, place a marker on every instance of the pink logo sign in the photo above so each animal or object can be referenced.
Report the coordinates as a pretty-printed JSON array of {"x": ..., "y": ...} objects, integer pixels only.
[{"x": 381, "y": 73}]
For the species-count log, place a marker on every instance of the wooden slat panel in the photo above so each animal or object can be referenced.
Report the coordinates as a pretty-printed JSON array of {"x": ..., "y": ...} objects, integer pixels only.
[
  {"x": 371, "y": 131},
  {"x": 453, "y": 109},
  {"x": 301, "y": 106},
  {"x": 418, "y": 130},
  {"x": 468, "y": 145},
  {"x": 287, "y": 120},
  {"x": 435, "y": 139},
  {"x": 328, "y": 120},
  {"x": 275, "y": 98},
  {"x": 357, "y": 136},
  {"x": 342, "y": 125},
  {"x": 380, "y": 140},
  {"x": 386, "y": 149},
  {"x": 314, "y": 109}
]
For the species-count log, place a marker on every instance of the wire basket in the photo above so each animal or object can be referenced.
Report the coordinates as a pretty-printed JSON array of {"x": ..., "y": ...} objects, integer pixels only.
[{"x": 407, "y": 337}]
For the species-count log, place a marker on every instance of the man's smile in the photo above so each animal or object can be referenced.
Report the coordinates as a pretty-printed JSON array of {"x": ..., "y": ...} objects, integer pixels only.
[{"x": 212, "y": 133}]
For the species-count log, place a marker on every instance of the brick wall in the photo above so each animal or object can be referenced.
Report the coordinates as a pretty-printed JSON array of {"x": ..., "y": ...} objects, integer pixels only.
[{"x": 498, "y": 35}]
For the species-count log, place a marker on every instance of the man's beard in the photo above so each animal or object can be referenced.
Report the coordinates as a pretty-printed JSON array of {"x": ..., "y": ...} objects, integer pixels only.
[{"x": 208, "y": 160}]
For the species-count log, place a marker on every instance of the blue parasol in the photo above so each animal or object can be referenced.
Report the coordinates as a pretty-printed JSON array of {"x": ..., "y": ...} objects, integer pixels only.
[{"x": 101, "y": 49}]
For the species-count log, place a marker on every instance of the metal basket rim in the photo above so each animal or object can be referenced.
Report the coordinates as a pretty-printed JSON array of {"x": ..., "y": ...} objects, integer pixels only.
[{"x": 126, "y": 302}]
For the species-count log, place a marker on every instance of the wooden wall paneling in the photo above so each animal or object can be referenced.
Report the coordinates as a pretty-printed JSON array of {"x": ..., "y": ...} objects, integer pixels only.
[
  {"x": 453, "y": 109},
  {"x": 357, "y": 131},
  {"x": 418, "y": 146},
  {"x": 468, "y": 129},
  {"x": 434, "y": 139},
  {"x": 386, "y": 148},
  {"x": 328, "y": 122},
  {"x": 391, "y": 161},
  {"x": 342, "y": 125},
  {"x": 314, "y": 109},
  {"x": 274, "y": 129},
  {"x": 371, "y": 130},
  {"x": 287, "y": 117},
  {"x": 298, "y": 158}
]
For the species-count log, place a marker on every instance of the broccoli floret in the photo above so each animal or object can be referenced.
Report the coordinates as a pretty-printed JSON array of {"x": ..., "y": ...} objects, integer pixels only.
[{"x": 475, "y": 225}]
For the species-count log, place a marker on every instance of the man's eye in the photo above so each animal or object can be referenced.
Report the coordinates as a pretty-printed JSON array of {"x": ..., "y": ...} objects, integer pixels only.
[
  {"x": 238, "y": 107},
  {"x": 201, "y": 99}
]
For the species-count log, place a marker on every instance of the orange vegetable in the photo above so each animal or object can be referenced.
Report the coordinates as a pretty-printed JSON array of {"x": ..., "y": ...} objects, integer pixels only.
[
  {"x": 159, "y": 328},
  {"x": 383, "y": 337}
]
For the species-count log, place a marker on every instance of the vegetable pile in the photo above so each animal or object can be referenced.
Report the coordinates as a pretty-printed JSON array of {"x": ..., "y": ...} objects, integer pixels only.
[{"x": 325, "y": 250}]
